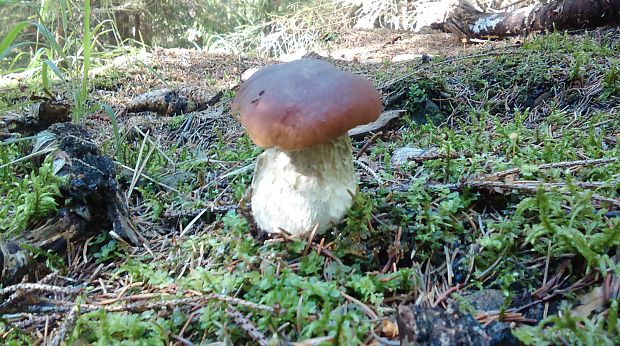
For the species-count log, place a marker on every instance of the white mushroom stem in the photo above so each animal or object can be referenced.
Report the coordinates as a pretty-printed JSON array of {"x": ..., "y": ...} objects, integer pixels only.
[{"x": 296, "y": 190}]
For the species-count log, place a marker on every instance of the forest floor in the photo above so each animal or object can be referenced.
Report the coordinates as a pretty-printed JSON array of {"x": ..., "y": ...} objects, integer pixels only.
[{"x": 487, "y": 209}]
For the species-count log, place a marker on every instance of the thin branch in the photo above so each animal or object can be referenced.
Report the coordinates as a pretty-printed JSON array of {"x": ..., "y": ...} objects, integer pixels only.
[
  {"x": 565, "y": 164},
  {"x": 247, "y": 326}
]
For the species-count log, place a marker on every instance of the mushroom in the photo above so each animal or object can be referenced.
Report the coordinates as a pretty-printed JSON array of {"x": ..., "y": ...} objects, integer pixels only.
[{"x": 300, "y": 113}]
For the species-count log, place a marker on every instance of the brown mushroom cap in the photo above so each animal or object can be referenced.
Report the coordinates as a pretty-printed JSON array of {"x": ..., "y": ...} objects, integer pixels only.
[{"x": 302, "y": 103}]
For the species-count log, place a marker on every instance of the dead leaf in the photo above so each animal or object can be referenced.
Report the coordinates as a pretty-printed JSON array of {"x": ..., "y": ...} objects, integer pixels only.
[
  {"x": 510, "y": 178},
  {"x": 590, "y": 302},
  {"x": 390, "y": 329}
]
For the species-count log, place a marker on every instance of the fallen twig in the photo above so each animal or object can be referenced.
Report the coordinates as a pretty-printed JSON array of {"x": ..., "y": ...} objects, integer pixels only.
[
  {"x": 527, "y": 186},
  {"x": 35, "y": 287},
  {"x": 247, "y": 326},
  {"x": 67, "y": 325},
  {"x": 565, "y": 164},
  {"x": 368, "y": 144},
  {"x": 162, "y": 302},
  {"x": 369, "y": 312},
  {"x": 445, "y": 294}
]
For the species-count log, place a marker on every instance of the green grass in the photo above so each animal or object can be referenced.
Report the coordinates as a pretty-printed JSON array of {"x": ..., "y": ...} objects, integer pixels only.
[{"x": 62, "y": 65}]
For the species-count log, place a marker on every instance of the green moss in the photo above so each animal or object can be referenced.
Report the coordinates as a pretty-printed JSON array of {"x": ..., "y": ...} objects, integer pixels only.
[
  {"x": 30, "y": 198},
  {"x": 110, "y": 79}
]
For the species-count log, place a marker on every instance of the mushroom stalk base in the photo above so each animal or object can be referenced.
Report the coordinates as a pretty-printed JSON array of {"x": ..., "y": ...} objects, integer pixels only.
[{"x": 296, "y": 190}]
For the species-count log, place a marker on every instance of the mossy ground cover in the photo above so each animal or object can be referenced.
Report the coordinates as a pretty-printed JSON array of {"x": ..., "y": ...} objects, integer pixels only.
[{"x": 516, "y": 189}]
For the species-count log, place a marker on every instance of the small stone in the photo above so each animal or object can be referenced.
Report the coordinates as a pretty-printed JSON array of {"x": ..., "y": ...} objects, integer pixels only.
[
  {"x": 177, "y": 178},
  {"x": 486, "y": 300},
  {"x": 404, "y": 154},
  {"x": 426, "y": 112},
  {"x": 404, "y": 57},
  {"x": 418, "y": 325}
]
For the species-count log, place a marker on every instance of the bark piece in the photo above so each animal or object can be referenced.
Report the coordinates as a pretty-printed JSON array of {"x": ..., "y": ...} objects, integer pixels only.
[
  {"x": 554, "y": 15},
  {"x": 402, "y": 155},
  {"x": 184, "y": 99},
  {"x": 91, "y": 202},
  {"x": 41, "y": 116},
  {"x": 385, "y": 120},
  {"x": 14, "y": 262},
  {"x": 92, "y": 181}
]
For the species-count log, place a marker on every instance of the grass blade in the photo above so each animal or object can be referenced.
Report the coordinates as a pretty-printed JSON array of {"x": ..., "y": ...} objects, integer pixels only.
[
  {"x": 86, "y": 47},
  {"x": 117, "y": 135},
  {"x": 8, "y": 39},
  {"x": 44, "y": 78},
  {"x": 50, "y": 39},
  {"x": 54, "y": 68},
  {"x": 152, "y": 70}
]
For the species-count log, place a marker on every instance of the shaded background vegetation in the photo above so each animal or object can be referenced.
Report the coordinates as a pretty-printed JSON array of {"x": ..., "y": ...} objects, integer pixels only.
[
  {"x": 160, "y": 23},
  {"x": 267, "y": 27}
]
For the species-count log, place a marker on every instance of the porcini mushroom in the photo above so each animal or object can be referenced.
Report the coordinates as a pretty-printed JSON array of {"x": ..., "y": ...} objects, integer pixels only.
[{"x": 300, "y": 113}]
